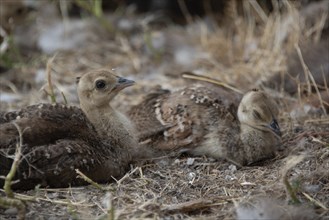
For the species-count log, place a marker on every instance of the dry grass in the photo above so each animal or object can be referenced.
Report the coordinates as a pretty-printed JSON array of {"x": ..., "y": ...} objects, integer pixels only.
[{"x": 242, "y": 54}]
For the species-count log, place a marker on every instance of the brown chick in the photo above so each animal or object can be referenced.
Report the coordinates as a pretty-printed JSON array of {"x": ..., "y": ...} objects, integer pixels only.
[
  {"x": 204, "y": 121},
  {"x": 57, "y": 139}
]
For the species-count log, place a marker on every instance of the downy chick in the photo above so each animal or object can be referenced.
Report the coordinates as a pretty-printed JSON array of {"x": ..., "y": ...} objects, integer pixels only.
[
  {"x": 204, "y": 121},
  {"x": 57, "y": 139}
]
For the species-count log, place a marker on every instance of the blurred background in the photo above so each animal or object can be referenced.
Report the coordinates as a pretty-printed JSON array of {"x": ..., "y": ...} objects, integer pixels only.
[{"x": 244, "y": 43}]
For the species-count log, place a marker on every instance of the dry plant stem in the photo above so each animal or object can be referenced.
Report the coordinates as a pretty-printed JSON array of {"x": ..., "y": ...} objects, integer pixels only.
[
  {"x": 27, "y": 198},
  {"x": 189, "y": 206},
  {"x": 51, "y": 88},
  {"x": 305, "y": 70},
  {"x": 109, "y": 214},
  {"x": 128, "y": 174},
  {"x": 64, "y": 97},
  {"x": 94, "y": 7},
  {"x": 320, "y": 27},
  {"x": 96, "y": 10},
  {"x": 291, "y": 162},
  {"x": 111, "y": 211},
  {"x": 11, "y": 201},
  {"x": 10, "y": 85},
  {"x": 12, "y": 172},
  {"x": 308, "y": 75},
  {"x": 130, "y": 53},
  {"x": 317, "y": 92},
  {"x": 319, "y": 141},
  {"x": 207, "y": 8},
  {"x": 290, "y": 190},
  {"x": 315, "y": 201},
  {"x": 325, "y": 82},
  {"x": 63, "y": 5},
  {"x": 259, "y": 10},
  {"x": 321, "y": 121},
  {"x": 187, "y": 15},
  {"x": 148, "y": 40},
  {"x": 188, "y": 75},
  {"x": 90, "y": 181}
]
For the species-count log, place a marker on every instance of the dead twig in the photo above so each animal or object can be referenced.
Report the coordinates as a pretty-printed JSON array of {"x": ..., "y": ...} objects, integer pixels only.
[
  {"x": 190, "y": 206},
  {"x": 259, "y": 10},
  {"x": 186, "y": 13},
  {"x": 27, "y": 198},
  {"x": 11, "y": 201},
  {"x": 130, "y": 173},
  {"x": 90, "y": 181},
  {"x": 316, "y": 202},
  {"x": 291, "y": 162},
  {"x": 308, "y": 77},
  {"x": 12, "y": 172},
  {"x": 193, "y": 76},
  {"x": 50, "y": 84},
  {"x": 64, "y": 98}
]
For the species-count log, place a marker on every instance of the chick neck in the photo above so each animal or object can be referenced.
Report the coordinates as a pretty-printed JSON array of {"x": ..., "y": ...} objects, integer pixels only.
[
  {"x": 258, "y": 143},
  {"x": 104, "y": 117}
]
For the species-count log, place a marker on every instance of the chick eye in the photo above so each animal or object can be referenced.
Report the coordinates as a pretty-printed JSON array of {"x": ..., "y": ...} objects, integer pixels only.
[{"x": 100, "y": 84}]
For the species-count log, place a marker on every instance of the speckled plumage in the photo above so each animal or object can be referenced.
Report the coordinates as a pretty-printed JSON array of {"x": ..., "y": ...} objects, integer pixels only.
[
  {"x": 58, "y": 139},
  {"x": 207, "y": 121}
]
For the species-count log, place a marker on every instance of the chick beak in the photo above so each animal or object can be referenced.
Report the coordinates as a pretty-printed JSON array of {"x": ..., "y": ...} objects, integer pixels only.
[
  {"x": 123, "y": 83},
  {"x": 274, "y": 126}
]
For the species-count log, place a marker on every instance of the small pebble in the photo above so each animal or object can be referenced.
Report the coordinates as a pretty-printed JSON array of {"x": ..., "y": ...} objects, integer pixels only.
[
  {"x": 312, "y": 188},
  {"x": 191, "y": 176},
  {"x": 232, "y": 168},
  {"x": 11, "y": 211},
  {"x": 190, "y": 161},
  {"x": 230, "y": 178}
]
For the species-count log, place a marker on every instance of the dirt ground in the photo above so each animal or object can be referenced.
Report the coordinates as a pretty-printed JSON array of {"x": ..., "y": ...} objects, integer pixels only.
[{"x": 243, "y": 50}]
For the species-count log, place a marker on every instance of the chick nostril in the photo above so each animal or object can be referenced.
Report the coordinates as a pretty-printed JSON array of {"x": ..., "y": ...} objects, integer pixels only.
[
  {"x": 274, "y": 124},
  {"x": 122, "y": 80}
]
